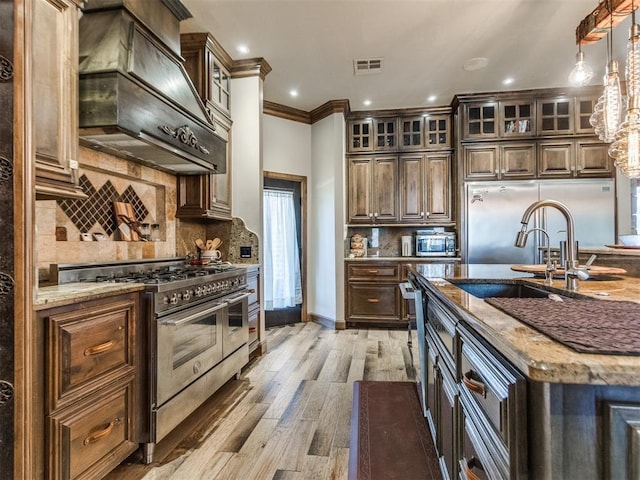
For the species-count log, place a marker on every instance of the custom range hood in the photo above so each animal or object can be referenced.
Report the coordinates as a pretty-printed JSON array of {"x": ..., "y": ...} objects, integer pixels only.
[{"x": 136, "y": 100}]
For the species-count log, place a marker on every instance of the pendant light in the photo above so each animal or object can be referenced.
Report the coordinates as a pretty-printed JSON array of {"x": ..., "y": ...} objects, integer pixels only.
[
  {"x": 612, "y": 93},
  {"x": 582, "y": 72},
  {"x": 626, "y": 148}
]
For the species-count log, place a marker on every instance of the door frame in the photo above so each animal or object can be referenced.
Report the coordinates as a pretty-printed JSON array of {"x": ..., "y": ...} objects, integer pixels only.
[{"x": 303, "y": 231}]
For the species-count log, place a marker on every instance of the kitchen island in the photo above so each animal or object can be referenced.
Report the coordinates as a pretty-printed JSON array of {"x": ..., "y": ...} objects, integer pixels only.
[{"x": 505, "y": 400}]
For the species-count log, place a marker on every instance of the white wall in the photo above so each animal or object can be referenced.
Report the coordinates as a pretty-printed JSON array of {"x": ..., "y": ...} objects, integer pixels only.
[
  {"x": 286, "y": 146},
  {"x": 326, "y": 229},
  {"x": 246, "y": 151},
  {"x": 316, "y": 152}
]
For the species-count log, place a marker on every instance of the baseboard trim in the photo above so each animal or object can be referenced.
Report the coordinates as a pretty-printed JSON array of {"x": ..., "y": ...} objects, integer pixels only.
[{"x": 326, "y": 321}]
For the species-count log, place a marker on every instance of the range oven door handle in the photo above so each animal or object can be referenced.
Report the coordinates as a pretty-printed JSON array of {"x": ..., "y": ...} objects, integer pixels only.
[
  {"x": 193, "y": 317},
  {"x": 236, "y": 299}
]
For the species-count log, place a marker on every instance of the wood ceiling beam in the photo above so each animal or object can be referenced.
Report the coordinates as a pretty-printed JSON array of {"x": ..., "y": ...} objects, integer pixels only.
[{"x": 597, "y": 24}]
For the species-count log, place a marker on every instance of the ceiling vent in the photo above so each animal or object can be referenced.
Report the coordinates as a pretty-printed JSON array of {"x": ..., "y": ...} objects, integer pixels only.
[{"x": 367, "y": 66}]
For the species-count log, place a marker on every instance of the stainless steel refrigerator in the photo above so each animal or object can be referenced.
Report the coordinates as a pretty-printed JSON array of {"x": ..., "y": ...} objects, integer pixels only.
[{"x": 494, "y": 210}]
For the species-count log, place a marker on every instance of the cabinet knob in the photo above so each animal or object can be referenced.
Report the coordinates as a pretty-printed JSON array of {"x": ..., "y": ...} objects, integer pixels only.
[
  {"x": 422, "y": 214},
  {"x": 504, "y": 170},
  {"x": 370, "y": 215},
  {"x": 497, "y": 171},
  {"x": 373, "y": 300}
]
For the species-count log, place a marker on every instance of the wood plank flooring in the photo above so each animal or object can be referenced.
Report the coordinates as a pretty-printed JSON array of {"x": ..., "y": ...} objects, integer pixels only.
[{"x": 288, "y": 416}]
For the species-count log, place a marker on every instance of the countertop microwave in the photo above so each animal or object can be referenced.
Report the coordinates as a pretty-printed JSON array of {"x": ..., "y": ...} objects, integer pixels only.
[{"x": 435, "y": 244}]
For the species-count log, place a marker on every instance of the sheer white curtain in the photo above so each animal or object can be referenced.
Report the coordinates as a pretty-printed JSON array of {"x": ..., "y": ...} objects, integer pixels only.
[{"x": 282, "y": 286}]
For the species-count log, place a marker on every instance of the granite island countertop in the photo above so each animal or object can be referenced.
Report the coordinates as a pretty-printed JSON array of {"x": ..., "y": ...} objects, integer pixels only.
[
  {"x": 70, "y": 293},
  {"x": 537, "y": 356}
]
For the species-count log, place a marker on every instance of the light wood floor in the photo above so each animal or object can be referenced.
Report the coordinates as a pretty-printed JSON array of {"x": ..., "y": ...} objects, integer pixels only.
[{"x": 288, "y": 416}]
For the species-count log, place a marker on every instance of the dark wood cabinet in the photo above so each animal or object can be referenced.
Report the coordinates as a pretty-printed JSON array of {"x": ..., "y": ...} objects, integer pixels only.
[
  {"x": 206, "y": 196},
  {"x": 574, "y": 158},
  {"x": 425, "y": 182},
  {"x": 253, "y": 285},
  {"x": 517, "y": 118},
  {"x": 406, "y": 188},
  {"x": 372, "y": 294},
  {"x": 501, "y": 161},
  {"x": 373, "y": 189},
  {"x": 91, "y": 379},
  {"x": 208, "y": 65},
  {"x": 55, "y": 98},
  {"x": 555, "y": 115},
  {"x": 481, "y": 120}
]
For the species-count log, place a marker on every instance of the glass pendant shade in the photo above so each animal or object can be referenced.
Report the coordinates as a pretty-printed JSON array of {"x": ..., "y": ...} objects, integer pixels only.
[
  {"x": 612, "y": 102},
  {"x": 581, "y": 73},
  {"x": 632, "y": 69},
  {"x": 626, "y": 147}
]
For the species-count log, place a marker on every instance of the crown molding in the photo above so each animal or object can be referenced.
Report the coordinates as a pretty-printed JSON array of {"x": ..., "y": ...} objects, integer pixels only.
[
  {"x": 329, "y": 108},
  {"x": 250, "y": 67},
  {"x": 288, "y": 113}
]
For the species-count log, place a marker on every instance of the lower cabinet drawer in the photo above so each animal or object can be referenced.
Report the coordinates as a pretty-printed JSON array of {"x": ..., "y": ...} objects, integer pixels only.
[
  {"x": 496, "y": 393},
  {"x": 476, "y": 462},
  {"x": 89, "y": 347},
  {"x": 91, "y": 438},
  {"x": 368, "y": 301}
]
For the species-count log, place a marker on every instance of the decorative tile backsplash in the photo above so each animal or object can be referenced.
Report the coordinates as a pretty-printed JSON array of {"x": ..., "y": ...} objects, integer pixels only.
[{"x": 98, "y": 208}]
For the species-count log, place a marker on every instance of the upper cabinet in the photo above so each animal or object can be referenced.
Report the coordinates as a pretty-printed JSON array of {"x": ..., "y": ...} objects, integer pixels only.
[
  {"x": 54, "y": 64},
  {"x": 208, "y": 66},
  {"x": 208, "y": 196},
  {"x": 530, "y": 134},
  {"x": 400, "y": 167},
  {"x": 400, "y": 131}
]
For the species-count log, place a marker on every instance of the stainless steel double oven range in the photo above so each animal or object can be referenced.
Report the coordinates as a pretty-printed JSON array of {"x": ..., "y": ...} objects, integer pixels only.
[{"x": 194, "y": 334}]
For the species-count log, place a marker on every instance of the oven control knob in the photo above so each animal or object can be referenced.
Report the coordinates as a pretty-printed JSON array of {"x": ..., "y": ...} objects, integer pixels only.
[
  {"x": 198, "y": 291},
  {"x": 174, "y": 299},
  {"x": 166, "y": 300},
  {"x": 207, "y": 289},
  {"x": 186, "y": 295}
]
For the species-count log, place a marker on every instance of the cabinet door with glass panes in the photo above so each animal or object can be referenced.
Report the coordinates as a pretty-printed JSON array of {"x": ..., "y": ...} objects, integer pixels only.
[
  {"x": 481, "y": 120},
  {"x": 436, "y": 131},
  {"x": 555, "y": 116},
  {"x": 583, "y": 111},
  {"x": 360, "y": 135},
  {"x": 411, "y": 133},
  {"x": 517, "y": 118},
  {"x": 386, "y": 134}
]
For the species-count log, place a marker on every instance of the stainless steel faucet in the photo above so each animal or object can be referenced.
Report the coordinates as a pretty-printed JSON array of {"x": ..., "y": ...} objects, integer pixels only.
[{"x": 571, "y": 271}]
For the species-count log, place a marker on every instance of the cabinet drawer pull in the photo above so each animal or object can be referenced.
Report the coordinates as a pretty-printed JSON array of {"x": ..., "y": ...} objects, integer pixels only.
[
  {"x": 373, "y": 271},
  {"x": 473, "y": 463},
  {"x": 103, "y": 347},
  {"x": 98, "y": 435},
  {"x": 472, "y": 381},
  {"x": 373, "y": 300}
]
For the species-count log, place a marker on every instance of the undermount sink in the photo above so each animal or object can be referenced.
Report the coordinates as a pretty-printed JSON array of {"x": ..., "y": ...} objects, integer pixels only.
[{"x": 492, "y": 289}]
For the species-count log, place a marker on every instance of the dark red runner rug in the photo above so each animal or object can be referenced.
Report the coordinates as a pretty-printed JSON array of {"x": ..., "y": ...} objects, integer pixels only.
[{"x": 390, "y": 438}]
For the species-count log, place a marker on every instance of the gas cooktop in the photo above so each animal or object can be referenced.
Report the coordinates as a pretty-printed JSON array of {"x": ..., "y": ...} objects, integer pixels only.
[{"x": 150, "y": 272}]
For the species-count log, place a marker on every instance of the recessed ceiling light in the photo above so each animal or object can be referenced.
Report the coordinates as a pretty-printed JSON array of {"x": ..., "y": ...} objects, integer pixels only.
[
  {"x": 243, "y": 49},
  {"x": 431, "y": 98},
  {"x": 475, "y": 63},
  {"x": 366, "y": 103},
  {"x": 293, "y": 93},
  {"x": 507, "y": 81}
]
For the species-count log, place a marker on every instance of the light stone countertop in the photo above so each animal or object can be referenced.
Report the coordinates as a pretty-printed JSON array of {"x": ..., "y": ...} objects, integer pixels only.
[
  {"x": 534, "y": 354},
  {"x": 70, "y": 293}
]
